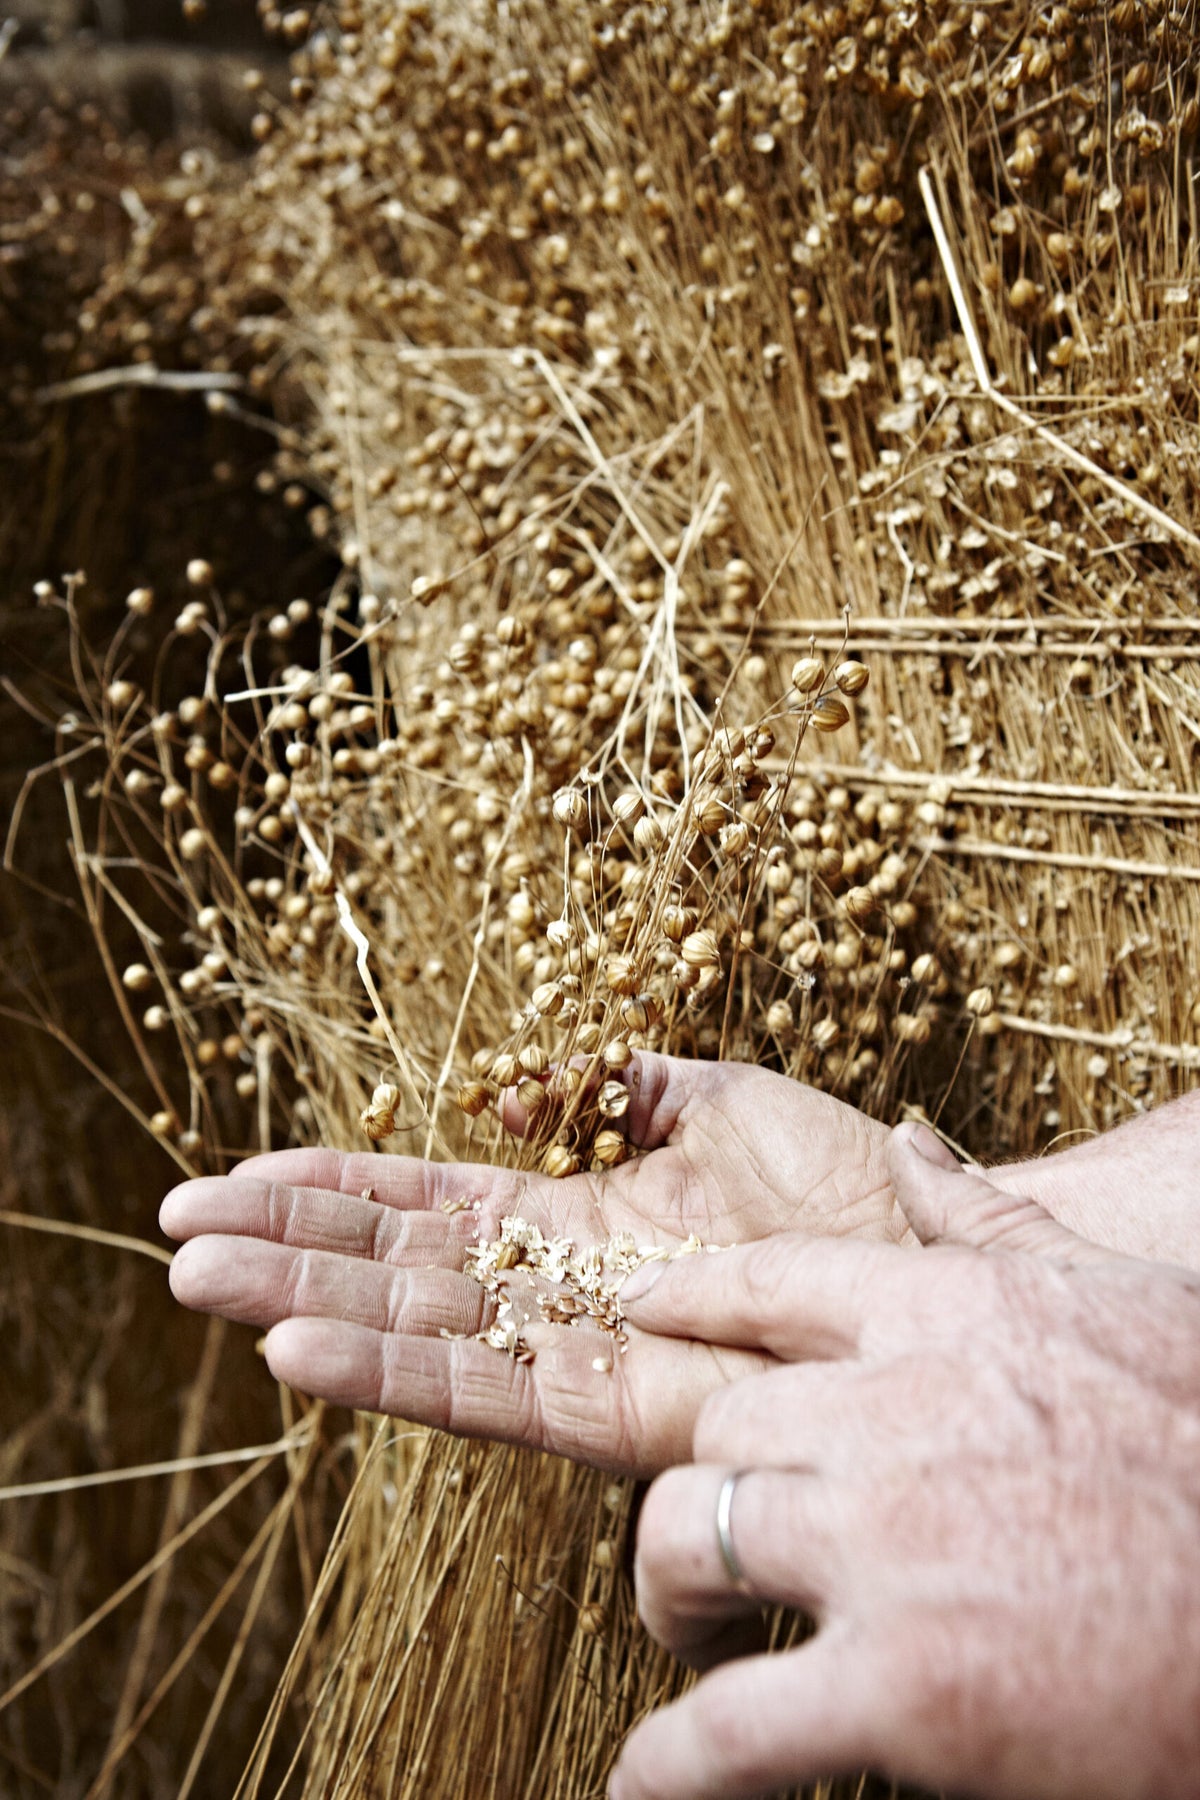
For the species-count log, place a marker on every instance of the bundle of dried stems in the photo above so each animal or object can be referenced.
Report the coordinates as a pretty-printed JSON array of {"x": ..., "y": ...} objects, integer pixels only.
[{"x": 679, "y": 385}]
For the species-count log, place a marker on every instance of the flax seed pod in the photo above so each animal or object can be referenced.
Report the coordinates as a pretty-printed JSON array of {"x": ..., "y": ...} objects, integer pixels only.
[
  {"x": 546, "y": 999},
  {"x": 807, "y": 675},
  {"x": 612, "y": 1101},
  {"x": 531, "y": 1093},
  {"x": 830, "y": 713},
  {"x": 859, "y": 904},
  {"x": 474, "y": 1097},
  {"x": 559, "y": 1162},
  {"x": 621, "y": 974},
  {"x": 851, "y": 677},
  {"x": 677, "y": 921},
  {"x": 608, "y": 1149},
  {"x": 708, "y": 814},
  {"x": 701, "y": 949}
]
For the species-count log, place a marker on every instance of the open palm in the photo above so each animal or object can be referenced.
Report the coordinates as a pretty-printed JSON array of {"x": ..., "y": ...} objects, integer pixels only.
[{"x": 354, "y": 1261}]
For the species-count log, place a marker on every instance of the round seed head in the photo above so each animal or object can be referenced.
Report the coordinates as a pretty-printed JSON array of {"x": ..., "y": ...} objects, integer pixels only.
[
  {"x": 830, "y": 714},
  {"x": 852, "y": 677},
  {"x": 780, "y": 1019},
  {"x": 677, "y": 921},
  {"x": 570, "y": 808},
  {"x": 708, "y": 814},
  {"x": 609, "y": 1148},
  {"x": 628, "y": 807},
  {"x": 980, "y": 1001},
  {"x": 377, "y": 1121},
  {"x": 546, "y": 999},
  {"x": 701, "y": 950},
  {"x": 474, "y": 1097},
  {"x": 616, "y": 1054},
  {"x": 533, "y": 1060},
  {"x": 137, "y": 978},
  {"x": 912, "y": 1028},
  {"x": 807, "y": 675},
  {"x": 530, "y": 1093},
  {"x": 200, "y": 572},
  {"x": 859, "y": 903},
  {"x": 621, "y": 974},
  {"x": 612, "y": 1102},
  {"x": 559, "y": 1162}
]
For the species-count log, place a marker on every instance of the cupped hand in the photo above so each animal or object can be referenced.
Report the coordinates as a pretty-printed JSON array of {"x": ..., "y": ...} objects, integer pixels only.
[
  {"x": 354, "y": 1262},
  {"x": 979, "y": 1471}
]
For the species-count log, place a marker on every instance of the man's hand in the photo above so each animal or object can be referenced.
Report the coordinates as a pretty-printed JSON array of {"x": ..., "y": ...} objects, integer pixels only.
[
  {"x": 357, "y": 1290},
  {"x": 979, "y": 1471}
]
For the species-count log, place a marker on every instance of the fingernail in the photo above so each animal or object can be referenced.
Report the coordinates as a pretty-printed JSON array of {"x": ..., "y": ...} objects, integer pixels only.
[
  {"x": 925, "y": 1144},
  {"x": 637, "y": 1285}
]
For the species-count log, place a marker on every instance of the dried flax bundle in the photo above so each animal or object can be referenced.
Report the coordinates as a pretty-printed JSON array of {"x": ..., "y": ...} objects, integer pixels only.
[{"x": 622, "y": 349}]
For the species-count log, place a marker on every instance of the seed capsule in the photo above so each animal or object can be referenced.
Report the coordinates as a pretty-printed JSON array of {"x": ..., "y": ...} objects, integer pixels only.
[
  {"x": 546, "y": 999},
  {"x": 530, "y": 1093},
  {"x": 780, "y": 1019},
  {"x": 621, "y": 974},
  {"x": 677, "y": 921},
  {"x": 617, "y": 1054},
  {"x": 859, "y": 903},
  {"x": 700, "y": 949},
  {"x": 137, "y": 978},
  {"x": 708, "y": 815},
  {"x": 830, "y": 714},
  {"x": 559, "y": 1162},
  {"x": 628, "y": 808},
  {"x": 570, "y": 808},
  {"x": 807, "y": 675},
  {"x": 852, "y": 677},
  {"x": 609, "y": 1148},
  {"x": 474, "y": 1097},
  {"x": 612, "y": 1102}
]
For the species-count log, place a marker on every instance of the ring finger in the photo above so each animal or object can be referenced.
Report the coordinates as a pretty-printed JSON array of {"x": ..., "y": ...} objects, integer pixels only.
[{"x": 776, "y": 1528}]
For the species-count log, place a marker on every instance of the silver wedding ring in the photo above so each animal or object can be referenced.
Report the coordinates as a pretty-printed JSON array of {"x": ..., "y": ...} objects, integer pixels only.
[{"x": 729, "y": 1556}]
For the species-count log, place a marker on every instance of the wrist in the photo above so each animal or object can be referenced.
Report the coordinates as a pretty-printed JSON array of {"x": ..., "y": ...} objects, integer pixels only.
[{"x": 1135, "y": 1190}]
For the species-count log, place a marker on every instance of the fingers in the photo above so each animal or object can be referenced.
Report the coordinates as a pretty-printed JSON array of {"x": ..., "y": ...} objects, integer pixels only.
[
  {"x": 660, "y": 1089},
  {"x": 765, "y": 1723},
  {"x": 407, "y": 1182},
  {"x": 948, "y": 1204},
  {"x": 791, "y": 1295},
  {"x": 788, "y": 1542},
  {"x": 855, "y": 1420},
  {"x": 314, "y": 1219},
  {"x": 260, "y": 1283},
  {"x": 631, "y": 1417}
]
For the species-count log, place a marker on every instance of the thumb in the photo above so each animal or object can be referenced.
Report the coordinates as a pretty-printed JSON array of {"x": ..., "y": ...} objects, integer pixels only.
[{"x": 946, "y": 1203}]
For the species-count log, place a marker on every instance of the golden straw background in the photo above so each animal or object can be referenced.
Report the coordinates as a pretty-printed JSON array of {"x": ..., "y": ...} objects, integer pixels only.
[{"x": 474, "y": 431}]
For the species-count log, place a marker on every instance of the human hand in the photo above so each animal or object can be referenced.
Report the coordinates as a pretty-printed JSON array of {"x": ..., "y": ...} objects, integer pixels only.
[
  {"x": 980, "y": 1473},
  {"x": 356, "y": 1290}
]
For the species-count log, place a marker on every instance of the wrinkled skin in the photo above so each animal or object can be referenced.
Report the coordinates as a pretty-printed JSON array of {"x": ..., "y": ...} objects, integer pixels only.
[
  {"x": 978, "y": 1469},
  {"x": 355, "y": 1291}
]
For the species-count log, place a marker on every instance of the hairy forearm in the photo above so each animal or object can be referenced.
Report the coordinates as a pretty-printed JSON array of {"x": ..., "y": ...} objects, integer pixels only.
[{"x": 1135, "y": 1189}]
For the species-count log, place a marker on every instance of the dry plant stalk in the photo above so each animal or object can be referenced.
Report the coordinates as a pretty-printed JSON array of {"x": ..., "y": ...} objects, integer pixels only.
[{"x": 615, "y": 385}]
